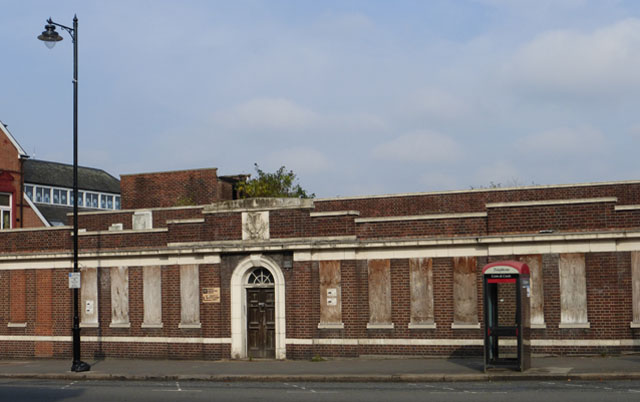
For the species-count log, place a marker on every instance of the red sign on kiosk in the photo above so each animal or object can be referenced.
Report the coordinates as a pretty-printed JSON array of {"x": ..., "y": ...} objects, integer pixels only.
[
  {"x": 505, "y": 271},
  {"x": 506, "y": 267}
]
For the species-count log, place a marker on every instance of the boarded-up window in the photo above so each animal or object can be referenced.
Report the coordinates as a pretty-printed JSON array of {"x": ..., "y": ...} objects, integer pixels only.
[
  {"x": 88, "y": 297},
  {"x": 421, "y": 283},
  {"x": 635, "y": 283},
  {"x": 379, "y": 294},
  {"x": 465, "y": 292},
  {"x": 18, "y": 297},
  {"x": 189, "y": 296},
  {"x": 573, "y": 291},
  {"x": 330, "y": 294},
  {"x": 152, "y": 295},
  {"x": 537, "y": 292},
  {"x": 120, "y": 297}
]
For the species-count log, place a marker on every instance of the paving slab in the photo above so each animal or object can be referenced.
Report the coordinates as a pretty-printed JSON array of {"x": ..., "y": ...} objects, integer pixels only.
[{"x": 345, "y": 370}]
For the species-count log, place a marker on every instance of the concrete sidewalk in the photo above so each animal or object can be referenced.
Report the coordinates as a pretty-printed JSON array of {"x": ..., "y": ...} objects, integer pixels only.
[{"x": 335, "y": 370}]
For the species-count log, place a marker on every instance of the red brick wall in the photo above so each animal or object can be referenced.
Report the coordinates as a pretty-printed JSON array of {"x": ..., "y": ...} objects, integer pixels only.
[
  {"x": 8, "y": 155},
  {"x": 475, "y": 200},
  {"x": 30, "y": 219},
  {"x": 102, "y": 220},
  {"x": 44, "y": 311},
  {"x": 48, "y": 311},
  {"x": 422, "y": 228},
  {"x": 18, "y": 296},
  {"x": 34, "y": 241},
  {"x": 168, "y": 189},
  {"x": 559, "y": 218},
  {"x": 47, "y": 300},
  {"x": 10, "y": 182}
]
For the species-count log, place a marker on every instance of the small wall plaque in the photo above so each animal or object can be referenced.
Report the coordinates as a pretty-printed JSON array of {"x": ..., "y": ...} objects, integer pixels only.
[
  {"x": 211, "y": 295},
  {"x": 332, "y": 292},
  {"x": 74, "y": 280},
  {"x": 332, "y": 301}
]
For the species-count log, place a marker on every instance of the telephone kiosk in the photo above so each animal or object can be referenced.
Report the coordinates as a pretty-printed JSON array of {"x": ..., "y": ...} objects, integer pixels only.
[{"x": 507, "y": 326}]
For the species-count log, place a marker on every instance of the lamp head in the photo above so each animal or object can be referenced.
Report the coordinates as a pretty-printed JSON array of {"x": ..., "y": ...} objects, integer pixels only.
[{"x": 49, "y": 36}]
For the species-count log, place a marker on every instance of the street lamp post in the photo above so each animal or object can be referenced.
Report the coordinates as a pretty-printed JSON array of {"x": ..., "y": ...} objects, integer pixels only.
[{"x": 50, "y": 38}]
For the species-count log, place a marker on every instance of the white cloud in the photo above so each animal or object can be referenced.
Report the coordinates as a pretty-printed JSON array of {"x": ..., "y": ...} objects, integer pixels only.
[
  {"x": 419, "y": 146},
  {"x": 365, "y": 123},
  {"x": 439, "y": 104},
  {"x": 568, "y": 61},
  {"x": 302, "y": 160},
  {"x": 564, "y": 142},
  {"x": 267, "y": 114}
]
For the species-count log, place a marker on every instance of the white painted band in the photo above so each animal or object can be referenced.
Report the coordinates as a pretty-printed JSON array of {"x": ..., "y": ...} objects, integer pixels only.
[
  {"x": 329, "y": 341},
  {"x": 115, "y": 339},
  {"x": 184, "y": 221},
  {"x": 461, "y": 342},
  {"x": 63, "y": 261},
  {"x": 626, "y": 207},
  {"x": 329, "y": 214},
  {"x": 121, "y": 232},
  {"x": 550, "y": 202},
  {"x": 421, "y": 217}
]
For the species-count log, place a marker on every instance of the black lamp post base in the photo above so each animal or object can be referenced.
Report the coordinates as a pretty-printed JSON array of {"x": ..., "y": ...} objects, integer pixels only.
[{"x": 80, "y": 366}]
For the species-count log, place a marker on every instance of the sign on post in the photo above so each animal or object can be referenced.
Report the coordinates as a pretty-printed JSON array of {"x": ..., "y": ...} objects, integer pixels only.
[{"x": 74, "y": 280}]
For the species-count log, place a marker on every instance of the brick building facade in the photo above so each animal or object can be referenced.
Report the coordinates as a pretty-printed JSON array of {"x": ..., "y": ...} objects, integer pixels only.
[
  {"x": 294, "y": 278},
  {"x": 36, "y": 193}
]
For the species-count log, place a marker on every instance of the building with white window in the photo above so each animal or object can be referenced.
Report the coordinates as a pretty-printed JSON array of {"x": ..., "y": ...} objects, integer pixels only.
[
  {"x": 35, "y": 193},
  {"x": 49, "y": 186}
]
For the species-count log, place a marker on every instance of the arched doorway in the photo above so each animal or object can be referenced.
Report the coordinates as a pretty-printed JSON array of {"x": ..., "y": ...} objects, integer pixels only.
[
  {"x": 261, "y": 323},
  {"x": 257, "y": 309}
]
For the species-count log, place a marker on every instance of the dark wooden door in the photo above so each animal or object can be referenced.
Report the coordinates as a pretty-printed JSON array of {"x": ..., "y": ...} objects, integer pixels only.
[{"x": 261, "y": 323}]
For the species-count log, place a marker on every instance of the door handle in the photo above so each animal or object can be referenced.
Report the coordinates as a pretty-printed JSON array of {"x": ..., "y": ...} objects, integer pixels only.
[{"x": 261, "y": 306}]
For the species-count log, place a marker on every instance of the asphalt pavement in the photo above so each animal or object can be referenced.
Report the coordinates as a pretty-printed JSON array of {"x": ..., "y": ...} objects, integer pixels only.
[{"x": 362, "y": 369}]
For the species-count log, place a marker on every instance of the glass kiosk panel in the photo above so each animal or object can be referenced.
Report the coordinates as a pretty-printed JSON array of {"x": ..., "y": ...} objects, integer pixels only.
[{"x": 506, "y": 315}]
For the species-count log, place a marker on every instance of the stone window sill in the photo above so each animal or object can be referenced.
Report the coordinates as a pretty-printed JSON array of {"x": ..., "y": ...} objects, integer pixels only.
[
  {"x": 465, "y": 326},
  {"x": 120, "y": 325},
  {"x": 577, "y": 325},
  {"x": 190, "y": 326},
  {"x": 539, "y": 326},
  {"x": 379, "y": 326},
  {"x": 17, "y": 325},
  {"x": 422, "y": 325},
  {"x": 159, "y": 325},
  {"x": 635, "y": 324},
  {"x": 333, "y": 325},
  {"x": 89, "y": 325}
]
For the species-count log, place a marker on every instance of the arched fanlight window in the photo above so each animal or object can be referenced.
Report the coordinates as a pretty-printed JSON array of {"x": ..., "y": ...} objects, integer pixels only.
[{"x": 260, "y": 277}]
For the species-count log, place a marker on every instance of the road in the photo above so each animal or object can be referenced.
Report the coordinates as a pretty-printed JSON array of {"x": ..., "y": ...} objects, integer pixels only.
[{"x": 96, "y": 391}]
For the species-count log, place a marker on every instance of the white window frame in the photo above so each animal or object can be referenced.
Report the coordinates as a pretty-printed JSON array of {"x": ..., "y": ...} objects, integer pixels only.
[
  {"x": 7, "y": 209},
  {"x": 82, "y": 196}
]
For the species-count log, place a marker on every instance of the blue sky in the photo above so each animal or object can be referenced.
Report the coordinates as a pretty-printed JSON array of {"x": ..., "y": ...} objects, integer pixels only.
[{"x": 357, "y": 97}]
